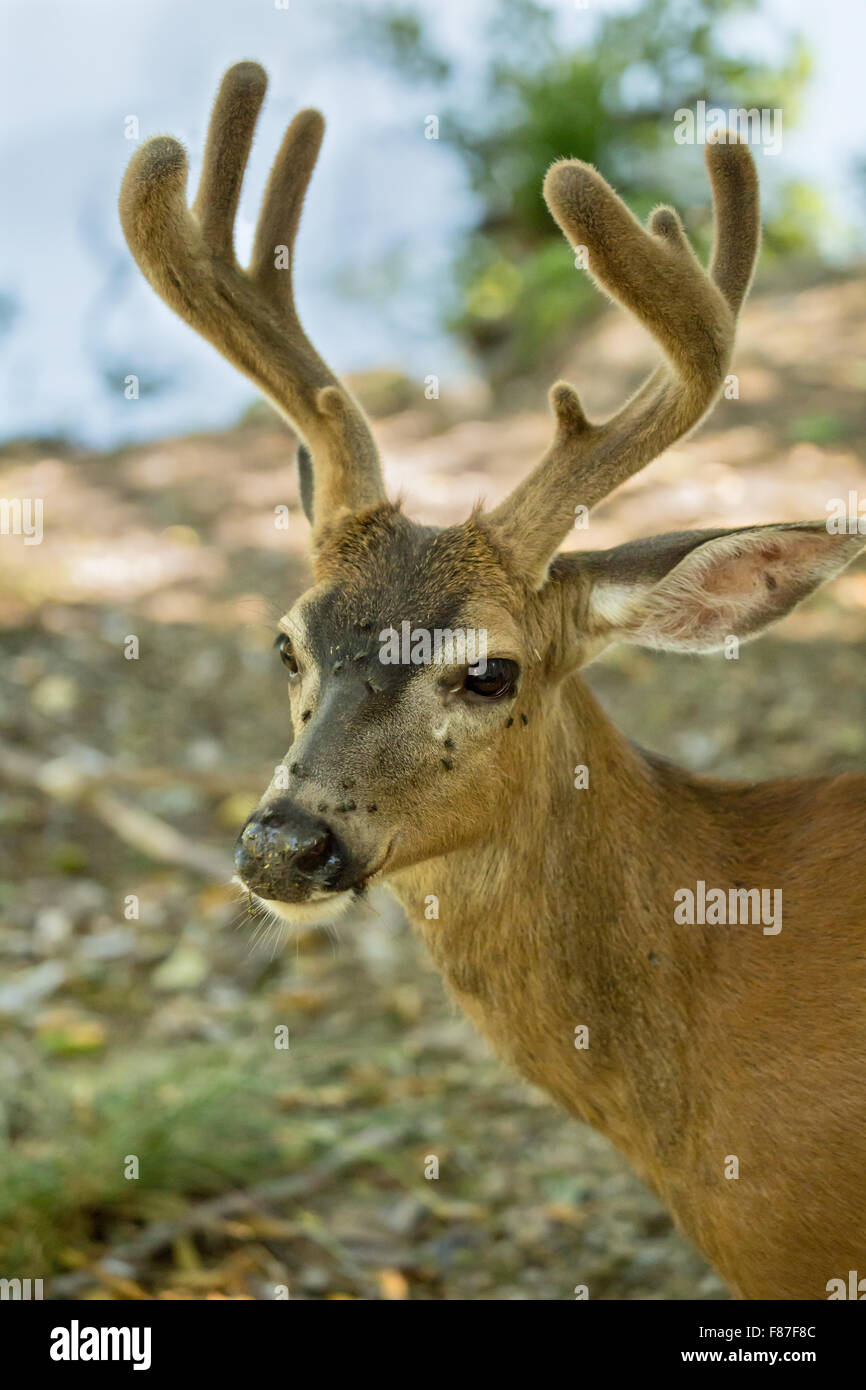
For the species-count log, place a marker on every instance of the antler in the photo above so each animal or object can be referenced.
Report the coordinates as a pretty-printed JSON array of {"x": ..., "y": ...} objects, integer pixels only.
[
  {"x": 250, "y": 316},
  {"x": 656, "y": 275}
]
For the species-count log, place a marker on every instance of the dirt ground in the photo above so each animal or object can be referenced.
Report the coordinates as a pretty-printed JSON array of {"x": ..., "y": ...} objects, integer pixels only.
[{"x": 154, "y": 1142}]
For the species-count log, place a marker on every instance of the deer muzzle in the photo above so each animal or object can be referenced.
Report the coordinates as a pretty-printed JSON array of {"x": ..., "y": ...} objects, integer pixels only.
[{"x": 285, "y": 854}]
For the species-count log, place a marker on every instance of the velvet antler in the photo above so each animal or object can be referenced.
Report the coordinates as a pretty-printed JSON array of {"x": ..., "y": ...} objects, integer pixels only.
[
  {"x": 654, "y": 274},
  {"x": 250, "y": 316}
]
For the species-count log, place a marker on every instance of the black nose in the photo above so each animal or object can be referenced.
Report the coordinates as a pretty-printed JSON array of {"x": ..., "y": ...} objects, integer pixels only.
[{"x": 283, "y": 853}]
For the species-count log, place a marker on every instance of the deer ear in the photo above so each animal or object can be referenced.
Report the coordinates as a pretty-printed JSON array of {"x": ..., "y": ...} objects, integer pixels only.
[
  {"x": 690, "y": 591},
  {"x": 305, "y": 480}
]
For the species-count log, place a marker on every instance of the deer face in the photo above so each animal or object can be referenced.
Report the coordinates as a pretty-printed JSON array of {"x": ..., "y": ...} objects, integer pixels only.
[
  {"x": 409, "y": 662},
  {"x": 419, "y": 657},
  {"x": 403, "y": 759}
]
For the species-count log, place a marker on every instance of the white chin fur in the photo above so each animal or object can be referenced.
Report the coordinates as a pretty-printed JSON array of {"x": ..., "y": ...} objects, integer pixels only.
[{"x": 310, "y": 914}]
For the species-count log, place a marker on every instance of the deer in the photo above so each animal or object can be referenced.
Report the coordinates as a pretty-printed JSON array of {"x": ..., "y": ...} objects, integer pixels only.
[{"x": 727, "y": 1063}]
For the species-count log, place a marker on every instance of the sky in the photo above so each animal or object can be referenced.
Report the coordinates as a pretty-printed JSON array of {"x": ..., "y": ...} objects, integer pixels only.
[{"x": 80, "y": 317}]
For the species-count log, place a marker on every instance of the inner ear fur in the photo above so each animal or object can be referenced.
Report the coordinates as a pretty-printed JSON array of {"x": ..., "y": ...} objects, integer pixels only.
[{"x": 692, "y": 590}]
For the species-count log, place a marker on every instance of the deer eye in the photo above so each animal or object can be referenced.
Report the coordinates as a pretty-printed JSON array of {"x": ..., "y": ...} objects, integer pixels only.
[
  {"x": 283, "y": 645},
  {"x": 499, "y": 679}
]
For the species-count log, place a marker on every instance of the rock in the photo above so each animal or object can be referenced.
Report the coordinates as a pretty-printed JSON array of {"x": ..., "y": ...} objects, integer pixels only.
[
  {"x": 51, "y": 929},
  {"x": 185, "y": 968},
  {"x": 26, "y": 989},
  {"x": 113, "y": 944}
]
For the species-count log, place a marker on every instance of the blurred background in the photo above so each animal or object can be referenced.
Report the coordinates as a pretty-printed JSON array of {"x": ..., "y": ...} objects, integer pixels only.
[{"x": 139, "y": 1004}]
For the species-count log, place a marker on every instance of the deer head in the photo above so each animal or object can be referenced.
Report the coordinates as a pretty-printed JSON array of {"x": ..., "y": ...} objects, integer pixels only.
[{"x": 398, "y": 762}]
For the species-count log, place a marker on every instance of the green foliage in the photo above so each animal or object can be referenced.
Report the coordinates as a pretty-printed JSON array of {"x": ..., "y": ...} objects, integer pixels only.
[
  {"x": 397, "y": 36},
  {"x": 819, "y": 427},
  {"x": 197, "y": 1126},
  {"x": 517, "y": 295}
]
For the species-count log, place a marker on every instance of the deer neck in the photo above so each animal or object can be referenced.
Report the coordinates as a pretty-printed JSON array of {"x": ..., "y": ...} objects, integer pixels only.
[{"x": 561, "y": 920}]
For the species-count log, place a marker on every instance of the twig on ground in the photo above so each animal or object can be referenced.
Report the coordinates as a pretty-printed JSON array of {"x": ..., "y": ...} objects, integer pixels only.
[
  {"x": 78, "y": 779},
  {"x": 126, "y": 1259}
]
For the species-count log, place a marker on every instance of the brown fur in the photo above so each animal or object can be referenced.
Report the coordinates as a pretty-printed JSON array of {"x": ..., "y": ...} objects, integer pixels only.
[
  {"x": 704, "y": 1041},
  {"x": 555, "y": 905}
]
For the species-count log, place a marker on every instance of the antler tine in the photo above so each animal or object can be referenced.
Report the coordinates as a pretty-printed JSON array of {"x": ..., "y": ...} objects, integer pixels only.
[
  {"x": 281, "y": 206},
  {"x": 737, "y": 215},
  {"x": 250, "y": 317},
  {"x": 655, "y": 274},
  {"x": 229, "y": 137}
]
